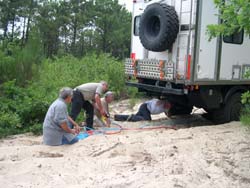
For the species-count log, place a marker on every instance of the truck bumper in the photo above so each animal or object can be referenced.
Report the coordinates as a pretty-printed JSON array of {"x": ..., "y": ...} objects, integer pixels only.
[{"x": 156, "y": 89}]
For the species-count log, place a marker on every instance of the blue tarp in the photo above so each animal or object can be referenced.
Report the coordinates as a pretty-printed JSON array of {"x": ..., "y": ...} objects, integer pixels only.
[{"x": 82, "y": 136}]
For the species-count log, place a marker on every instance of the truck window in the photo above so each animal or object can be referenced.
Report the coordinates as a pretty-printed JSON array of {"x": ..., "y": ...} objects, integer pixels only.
[
  {"x": 236, "y": 38},
  {"x": 136, "y": 25}
]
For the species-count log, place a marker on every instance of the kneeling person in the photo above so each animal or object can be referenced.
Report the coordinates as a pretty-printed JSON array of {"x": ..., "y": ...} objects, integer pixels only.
[
  {"x": 56, "y": 124},
  {"x": 101, "y": 120}
]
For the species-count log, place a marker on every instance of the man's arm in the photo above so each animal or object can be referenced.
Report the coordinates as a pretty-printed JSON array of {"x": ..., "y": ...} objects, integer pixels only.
[
  {"x": 108, "y": 122},
  {"x": 99, "y": 104},
  {"x": 65, "y": 127},
  {"x": 95, "y": 105},
  {"x": 75, "y": 124}
]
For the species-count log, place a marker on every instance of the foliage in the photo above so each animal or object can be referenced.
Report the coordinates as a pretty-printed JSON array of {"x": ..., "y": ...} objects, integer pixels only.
[
  {"x": 36, "y": 129},
  {"x": 69, "y": 71},
  {"x": 245, "y": 115},
  {"x": 245, "y": 100},
  {"x": 67, "y": 27},
  {"x": 9, "y": 124},
  {"x": 235, "y": 16},
  {"x": 111, "y": 35},
  {"x": 20, "y": 63},
  {"x": 20, "y": 107},
  {"x": 23, "y": 109},
  {"x": 245, "y": 118}
]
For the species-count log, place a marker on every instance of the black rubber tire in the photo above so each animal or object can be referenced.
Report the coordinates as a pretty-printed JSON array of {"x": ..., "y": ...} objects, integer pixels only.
[
  {"x": 208, "y": 116},
  {"x": 159, "y": 26},
  {"x": 234, "y": 107},
  {"x": 179, "y": 110},
  {"x": 228, "y": 112}
]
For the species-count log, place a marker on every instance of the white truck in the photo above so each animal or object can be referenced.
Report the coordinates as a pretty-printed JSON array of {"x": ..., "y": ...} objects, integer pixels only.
[{"x": 172, "y": 58}]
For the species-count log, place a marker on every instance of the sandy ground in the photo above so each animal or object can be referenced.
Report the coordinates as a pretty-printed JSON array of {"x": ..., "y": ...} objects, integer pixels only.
[{"x": 197, "y": 154}]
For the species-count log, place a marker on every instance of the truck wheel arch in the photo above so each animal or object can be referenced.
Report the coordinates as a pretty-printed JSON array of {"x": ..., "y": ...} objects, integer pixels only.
[
  {"x": 159, "y": 27},
  {"x": 229, "y": 110},
  {"x": 232, "y": 91}
]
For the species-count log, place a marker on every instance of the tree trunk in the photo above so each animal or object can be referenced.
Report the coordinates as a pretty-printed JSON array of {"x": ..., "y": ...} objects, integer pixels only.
[
  {"x": 23, "y": 35},
  {"x": 57, "y": 41},
  {"x": 74, "y": 37},
  {"x": 82, "y": 47},
  {"x": 65, "y": 43},
  {"x": 31, "y": 7},
  {"x": 104, "y": 45},
  {"x": 12, "y": 30},
  {"x": 5, "y": 30},
  {"x": 27, "y": 30}
]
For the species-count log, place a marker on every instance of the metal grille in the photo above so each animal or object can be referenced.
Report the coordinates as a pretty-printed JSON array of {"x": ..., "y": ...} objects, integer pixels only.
[{"x": 150, "y": 68}]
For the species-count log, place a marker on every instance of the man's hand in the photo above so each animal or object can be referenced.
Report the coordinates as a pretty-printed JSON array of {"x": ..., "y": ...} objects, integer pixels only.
[
  {"x": 78, "y": 129},
  {"x": 103, "y": 113},
  {"x": 65, "y": 127},
  {"x": 73, "y": 131},
  {"x": 76, "y": 126},
  {"x": 108, "y": 122},
  {"x": 99, "y": 104}
]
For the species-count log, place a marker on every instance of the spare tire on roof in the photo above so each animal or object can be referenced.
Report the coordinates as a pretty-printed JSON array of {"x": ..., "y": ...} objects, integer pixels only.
[{"x": 159, "y": 26}]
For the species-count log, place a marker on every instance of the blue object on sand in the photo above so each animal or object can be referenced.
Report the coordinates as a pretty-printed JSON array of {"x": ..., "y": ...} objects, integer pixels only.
[{"x": 82, "y": 136}]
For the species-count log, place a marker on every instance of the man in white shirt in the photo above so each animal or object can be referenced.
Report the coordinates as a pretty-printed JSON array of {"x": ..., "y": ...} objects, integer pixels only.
[
  {"x": 154, "y": 106},
  {"x": 85, "y": 97}
]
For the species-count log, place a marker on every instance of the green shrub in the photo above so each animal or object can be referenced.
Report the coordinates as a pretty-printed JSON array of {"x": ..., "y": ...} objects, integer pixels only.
[
  {"x": 36, "y": 129},
  {"x": 69, "y": 71},
  {"x": 20, "y": 63},
  {"x": 10, "y": 123},
  {"x": 23, "y": 105},
  {"x": 29, "y": 104},
  {"x": 245, "y": 98},
  {"x": 245, "y": 114}
]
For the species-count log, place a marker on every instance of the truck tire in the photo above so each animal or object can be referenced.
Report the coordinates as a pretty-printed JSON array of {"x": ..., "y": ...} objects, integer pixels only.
[
  {"x": 228, "y": 112},
  {"x": 159, "y": 27},
  {"x": 179, "y": 110},
  {"x": 234, "y": 106}
]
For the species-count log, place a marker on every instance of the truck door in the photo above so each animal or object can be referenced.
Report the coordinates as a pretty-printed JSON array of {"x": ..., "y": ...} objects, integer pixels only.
[
  {"x": 235, "y": 57},
  {"x": 207, "y": 56}
]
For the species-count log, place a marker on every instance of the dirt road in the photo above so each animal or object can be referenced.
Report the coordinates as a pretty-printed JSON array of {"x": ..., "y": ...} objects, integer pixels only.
[{"x": 197, "y": 154}]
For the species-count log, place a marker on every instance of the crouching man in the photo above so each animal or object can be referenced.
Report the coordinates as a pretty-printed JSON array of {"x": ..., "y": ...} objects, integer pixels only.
[
  {"x": 100, "y": 119},
  {"x": 56, "y": 124}
]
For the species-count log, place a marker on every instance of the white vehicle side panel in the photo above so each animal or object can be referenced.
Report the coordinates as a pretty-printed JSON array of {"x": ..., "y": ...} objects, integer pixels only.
[
  {"x": 136, "y": 45},
  {"x": 206, "y": 64},
  {"x": 233, "y": 55}
]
